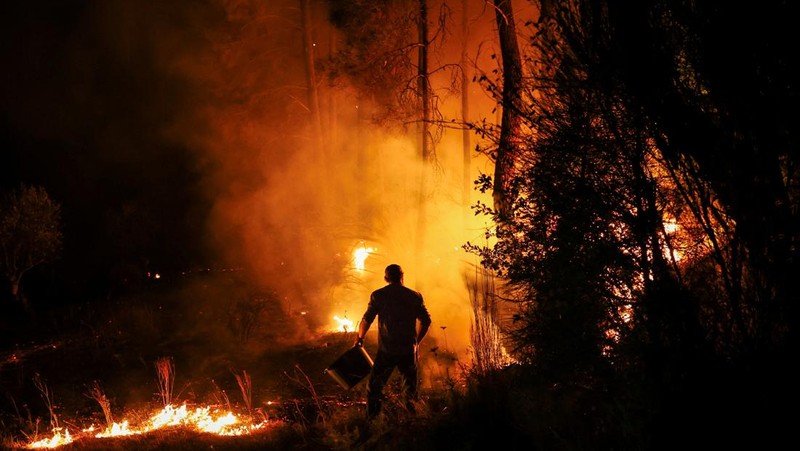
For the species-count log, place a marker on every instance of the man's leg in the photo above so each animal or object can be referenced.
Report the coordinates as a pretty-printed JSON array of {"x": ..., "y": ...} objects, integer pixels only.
[
  {"x": 407, "y": 365},
  {"x": 381, "y": 371}
]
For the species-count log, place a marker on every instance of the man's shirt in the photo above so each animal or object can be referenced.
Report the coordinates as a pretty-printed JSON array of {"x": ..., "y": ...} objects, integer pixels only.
[{"x": 398, "y": 308}]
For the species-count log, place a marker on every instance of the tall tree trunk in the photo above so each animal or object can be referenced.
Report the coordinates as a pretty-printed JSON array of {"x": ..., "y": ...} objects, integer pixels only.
[
  {"x": 423, "y": 83},
  {"x": 508, "y": 146},
  {"x": 426, "y": 147},
  {"x": 366, "y": 171},
  {"x": 311, "y": 78},
  {"x": 465, "y": 141},
  {"x": 333, "y": 113}
]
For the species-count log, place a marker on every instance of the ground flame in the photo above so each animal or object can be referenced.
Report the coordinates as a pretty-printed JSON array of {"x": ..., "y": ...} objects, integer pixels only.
[
  {"x": 201, "y": 419},
  {"x": 56, "y": 440}
]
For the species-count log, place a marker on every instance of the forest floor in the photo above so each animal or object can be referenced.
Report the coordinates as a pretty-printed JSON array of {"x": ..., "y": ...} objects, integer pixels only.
[{"x": 57, "y": 369}]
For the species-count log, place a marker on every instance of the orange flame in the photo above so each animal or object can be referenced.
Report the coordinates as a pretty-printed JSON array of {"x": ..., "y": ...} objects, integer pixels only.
[
  {"x": 360, "y": 256},
  {"x": 342, "y": 324},
  {"x": 202, "y": 419},
  {"x": 56, "y": 440}
]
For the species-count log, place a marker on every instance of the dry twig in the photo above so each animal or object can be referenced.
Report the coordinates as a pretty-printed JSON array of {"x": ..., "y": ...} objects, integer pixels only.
[
  {"x": 166, "y": 378},
  {"x": 246, "y": 388},
  {"x": 96, "y": 392},
  {"x": 47, "y": 396}
]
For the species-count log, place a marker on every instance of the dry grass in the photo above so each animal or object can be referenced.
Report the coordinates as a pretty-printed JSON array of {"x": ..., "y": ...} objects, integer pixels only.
[
  {"x": 246, "y": 387},
  {"x": 301, "y": 378},
  {"x": 165, "y": 368},
  {"x": 485, "y": 336},
  {"x": 47, "y": 397},
  {"x": 96, "y": 393},
  {"x": 286, "y": 384}
]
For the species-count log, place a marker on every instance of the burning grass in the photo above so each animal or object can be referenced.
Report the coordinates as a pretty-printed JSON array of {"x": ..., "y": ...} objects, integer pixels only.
[
  {"x": 167, "y": 371},
  {"x": 209, "y": 419},
  {"x": 180, "y": 439},
  {"x": 283, "y": 397},
  {"x": 203, "y": 419},
  {"x": 312, "y": 412}
]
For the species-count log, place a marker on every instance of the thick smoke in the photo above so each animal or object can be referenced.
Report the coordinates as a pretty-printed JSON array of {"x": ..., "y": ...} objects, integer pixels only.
[
  {"x": 291, "y": 207},
  {"x": 218, "y": 89}
]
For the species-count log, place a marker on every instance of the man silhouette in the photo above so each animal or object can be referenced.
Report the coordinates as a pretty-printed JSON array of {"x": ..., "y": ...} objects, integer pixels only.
[{"x": 403, "y": 321}]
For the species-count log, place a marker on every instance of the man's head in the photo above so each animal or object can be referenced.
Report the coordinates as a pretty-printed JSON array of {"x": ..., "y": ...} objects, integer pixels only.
[{"x": 393, "y": 274}]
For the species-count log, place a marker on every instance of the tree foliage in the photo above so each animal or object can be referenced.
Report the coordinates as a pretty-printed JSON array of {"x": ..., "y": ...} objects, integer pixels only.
[
  {"x": 719, "y": 105},
  {"x": 378, "y": 57},
  {"x": 377, "y": 54},
  {"x": 655, "y": 212},
  {"x": 30, "y": 232}
]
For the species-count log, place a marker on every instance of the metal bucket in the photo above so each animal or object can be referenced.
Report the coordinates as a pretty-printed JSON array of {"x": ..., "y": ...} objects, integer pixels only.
[{"x": 351, "y": 367}]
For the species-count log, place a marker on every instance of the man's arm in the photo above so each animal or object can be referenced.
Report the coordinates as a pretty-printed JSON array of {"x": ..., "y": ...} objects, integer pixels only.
[
  {"x": 366, "y": 321},
  {"x": 363, "y": 327},
  {"x": 422, "y": 330},
  {"x": 424, "y": 321}
]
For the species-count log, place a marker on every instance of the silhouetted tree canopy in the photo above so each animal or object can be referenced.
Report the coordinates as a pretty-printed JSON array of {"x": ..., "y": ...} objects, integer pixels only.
[
  {"x": 655, "y": 207},
  {"x": 30, "y": 232}
]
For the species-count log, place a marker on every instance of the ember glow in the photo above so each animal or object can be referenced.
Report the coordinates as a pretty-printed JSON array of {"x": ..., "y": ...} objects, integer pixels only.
[{"x": 201, "y": 419}]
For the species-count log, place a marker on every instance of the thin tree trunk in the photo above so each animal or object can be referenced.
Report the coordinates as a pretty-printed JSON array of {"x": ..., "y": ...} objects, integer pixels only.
[
  {"x": 426, "y": 151},
  {"x": 333, "y": 114},
  {"x": 365, "y": 169},
  {"x": 15, "y": 289},
  {"x": 465, "y": 141},
  {"x": 423, "y": 82},
  {"x": 18, "y": 292},
  {"x": 508, "y": 145},
  {"x": 311, "y": 78}
]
